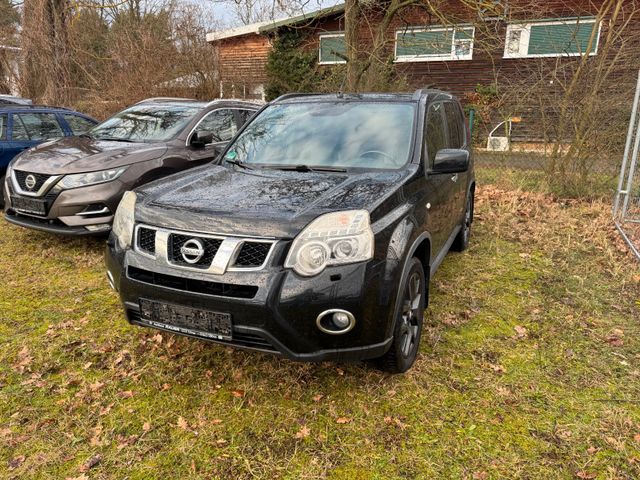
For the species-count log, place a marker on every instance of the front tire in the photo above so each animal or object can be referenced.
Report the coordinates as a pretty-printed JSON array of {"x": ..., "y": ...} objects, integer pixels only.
[{"x": 409, "y": 318}]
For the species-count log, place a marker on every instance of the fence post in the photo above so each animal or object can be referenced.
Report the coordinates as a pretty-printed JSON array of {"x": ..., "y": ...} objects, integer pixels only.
[{"x": 627, "y": 147}]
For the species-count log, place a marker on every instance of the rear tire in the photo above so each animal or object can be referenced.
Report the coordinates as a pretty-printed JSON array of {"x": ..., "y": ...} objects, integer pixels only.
[
  {"x": 408, "y": 325},
  {"x": 461, "y": 242}
]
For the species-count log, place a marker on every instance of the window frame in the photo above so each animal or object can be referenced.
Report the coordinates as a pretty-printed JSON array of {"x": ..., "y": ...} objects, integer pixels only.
[
  {"x": 525, "y": 28},
  {"x": 435, "y": 57},
  {"x": 329, "y": 35},
  {"x": 4, "y": 129}
]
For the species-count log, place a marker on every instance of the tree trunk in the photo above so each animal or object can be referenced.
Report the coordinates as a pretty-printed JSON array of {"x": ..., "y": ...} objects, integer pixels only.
[{"x": 351, "y": 23}]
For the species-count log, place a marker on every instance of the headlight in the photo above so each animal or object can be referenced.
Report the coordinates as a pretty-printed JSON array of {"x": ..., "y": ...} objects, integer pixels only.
[
  {"x": 91, "y": 178},
  {"x": 332, "y": 239},
  {"x": 123, "y": 220}
]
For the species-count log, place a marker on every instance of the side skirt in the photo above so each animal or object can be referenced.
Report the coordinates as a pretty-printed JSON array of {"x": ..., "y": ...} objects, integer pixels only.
[{"x": 443, "y": 252}]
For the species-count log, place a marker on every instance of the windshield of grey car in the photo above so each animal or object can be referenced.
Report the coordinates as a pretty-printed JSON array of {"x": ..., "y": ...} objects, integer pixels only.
[
  {"x": 146, "y": 123},
  {"x": 373, "y": 135}
]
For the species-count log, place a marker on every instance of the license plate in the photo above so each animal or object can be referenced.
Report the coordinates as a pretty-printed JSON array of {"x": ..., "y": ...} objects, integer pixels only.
[
  {"x": 184, "y": 319},
  {"x": 29, "y": 205}
]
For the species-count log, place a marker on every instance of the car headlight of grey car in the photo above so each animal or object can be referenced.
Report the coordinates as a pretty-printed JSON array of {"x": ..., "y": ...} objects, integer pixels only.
[{"x": 91, "y": 178}]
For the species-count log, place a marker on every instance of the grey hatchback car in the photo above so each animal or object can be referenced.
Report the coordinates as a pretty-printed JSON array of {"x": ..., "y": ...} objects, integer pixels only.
[{"x": 73, "y": 185}]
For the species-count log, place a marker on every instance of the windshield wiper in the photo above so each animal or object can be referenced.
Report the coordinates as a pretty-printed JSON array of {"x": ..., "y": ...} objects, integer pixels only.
[
  {"x": 238, "y": 163},
  {"x": 307, "y": 168}
]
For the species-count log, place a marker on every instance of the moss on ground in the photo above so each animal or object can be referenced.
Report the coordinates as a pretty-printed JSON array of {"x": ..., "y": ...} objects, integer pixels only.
[{"x": 529, "y": 368}]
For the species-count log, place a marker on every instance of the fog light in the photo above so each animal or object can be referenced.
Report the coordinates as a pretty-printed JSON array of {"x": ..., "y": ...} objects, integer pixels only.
[
  {"x": 341, "y": 320},
  {"x": 335, "y": 321}
]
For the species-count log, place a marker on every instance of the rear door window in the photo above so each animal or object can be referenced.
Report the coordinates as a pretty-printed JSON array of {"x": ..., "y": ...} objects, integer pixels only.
[
  {"x": 36, "y": 126},
  {"x": 78, "y": 124},
  {"x": 244, "y": 115},
  {"x": 3, "y": 126},
  {"x": 435, "y": 132},
  {"x": 221, "y": 123}
]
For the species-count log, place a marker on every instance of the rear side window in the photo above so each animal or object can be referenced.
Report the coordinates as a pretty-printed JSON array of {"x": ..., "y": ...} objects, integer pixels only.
[
  {"x": 435, "y": 132},
  {"x": 219, "y": 122},
  {"x": 455, "y": 125},
  {"x": 78, "y": 124},
  {"x": 3, "y": 127},
  {"x": 36, "y": 126}
]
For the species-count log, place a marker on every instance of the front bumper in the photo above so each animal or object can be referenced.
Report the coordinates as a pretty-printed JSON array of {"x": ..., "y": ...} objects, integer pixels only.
[
  {"x": 281, "y": 316},
  {"x": 66, "y": 211}
]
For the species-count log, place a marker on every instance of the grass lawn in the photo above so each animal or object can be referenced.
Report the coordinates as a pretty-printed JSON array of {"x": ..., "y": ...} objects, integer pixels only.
[{"x": 529, "y": 368}]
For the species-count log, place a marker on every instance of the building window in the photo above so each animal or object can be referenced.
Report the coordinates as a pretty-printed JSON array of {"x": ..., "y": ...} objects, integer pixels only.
[
  {"x": 551, "y": 38},
  {"x": 333, "y": 49},
  {"x": 434, "y": 44}
]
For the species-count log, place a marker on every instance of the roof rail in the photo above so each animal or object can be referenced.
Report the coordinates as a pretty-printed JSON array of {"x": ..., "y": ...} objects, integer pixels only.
[
  {"x": 294, "y": 95},
  {"x": 160, "y": 99}
]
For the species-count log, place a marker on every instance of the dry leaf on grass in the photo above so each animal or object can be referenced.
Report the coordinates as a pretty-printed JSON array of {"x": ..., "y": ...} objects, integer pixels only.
[
  {"x": 303, "y": 432},
  {"x": 89, "y": 464},
  {"x": 343, "y": 420}
]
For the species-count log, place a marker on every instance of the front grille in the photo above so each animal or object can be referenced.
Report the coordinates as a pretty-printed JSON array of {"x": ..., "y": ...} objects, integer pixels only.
[
  {"x": 253, "y": 254},
  {"x": 191, "y": 284},
  {"x": 176, "y": 242},
  {"x": 240, "y": 339},
  {"x": 147, "y": 240},
  {"x": 21, "y": 177}
]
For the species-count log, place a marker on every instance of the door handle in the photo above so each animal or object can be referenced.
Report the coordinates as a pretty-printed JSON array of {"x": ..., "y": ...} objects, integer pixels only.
[{"x": 454, "y": 178}]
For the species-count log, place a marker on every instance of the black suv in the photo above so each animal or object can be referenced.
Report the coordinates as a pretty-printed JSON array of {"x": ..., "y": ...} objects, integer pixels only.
[{"x": 314, "y": 235}]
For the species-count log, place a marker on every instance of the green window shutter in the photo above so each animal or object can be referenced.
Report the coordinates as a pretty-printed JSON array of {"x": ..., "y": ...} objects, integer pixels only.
[
  {"x": 424, "y": 43},
  {"x": 330, "y": 46},
  {"x": 572, "y": 38},
  {"x": 464, "y": 33}
]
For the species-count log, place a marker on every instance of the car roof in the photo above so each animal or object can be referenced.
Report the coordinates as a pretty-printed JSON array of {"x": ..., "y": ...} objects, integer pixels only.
[
  {"x": 22, "y": 108},
  {"x": 431, "y": 94},
  {"x": 200, "y": 103}
]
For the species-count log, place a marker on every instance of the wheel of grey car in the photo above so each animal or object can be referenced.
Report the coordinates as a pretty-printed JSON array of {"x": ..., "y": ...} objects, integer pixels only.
[
  {"x": 409, "y": 319},
  {"x": 461, "y": 242}
]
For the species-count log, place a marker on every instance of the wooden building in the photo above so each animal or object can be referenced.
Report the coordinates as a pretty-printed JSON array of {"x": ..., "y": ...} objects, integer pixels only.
[{"x": 510, "y": 47}]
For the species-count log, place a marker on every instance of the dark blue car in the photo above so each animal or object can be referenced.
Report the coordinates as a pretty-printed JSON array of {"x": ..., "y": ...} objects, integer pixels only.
[{"x": 24, "y": 126}]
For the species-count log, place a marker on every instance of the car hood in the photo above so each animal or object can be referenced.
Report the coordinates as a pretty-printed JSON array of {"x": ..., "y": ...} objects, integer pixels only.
[
  {"x": 80, "y": 154},
  {"x": 259, "y": 202}
]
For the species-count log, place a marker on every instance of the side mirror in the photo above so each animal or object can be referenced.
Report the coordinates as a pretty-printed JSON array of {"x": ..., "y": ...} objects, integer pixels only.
[
  {"x": 451, "y": 160},
  {"x": 201, "y": 139}
]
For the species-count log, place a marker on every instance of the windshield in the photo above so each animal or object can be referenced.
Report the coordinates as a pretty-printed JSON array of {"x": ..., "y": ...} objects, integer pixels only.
[
  {"x": 372, "y": 135},
  {"x": 145, "y": 123}
]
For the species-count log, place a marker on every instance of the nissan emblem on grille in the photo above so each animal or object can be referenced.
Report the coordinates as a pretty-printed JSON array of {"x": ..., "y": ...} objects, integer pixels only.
[
  {"x": 192, "y": 251},
  {"x": 30, "y": 181}
]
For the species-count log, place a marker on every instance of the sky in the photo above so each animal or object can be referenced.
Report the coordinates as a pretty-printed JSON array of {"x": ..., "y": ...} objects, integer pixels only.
[{"x": 223, "y": 12}]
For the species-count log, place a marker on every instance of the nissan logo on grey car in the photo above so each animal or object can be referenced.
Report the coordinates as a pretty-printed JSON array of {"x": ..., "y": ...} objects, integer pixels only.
[{"x": 30, "y": 182}]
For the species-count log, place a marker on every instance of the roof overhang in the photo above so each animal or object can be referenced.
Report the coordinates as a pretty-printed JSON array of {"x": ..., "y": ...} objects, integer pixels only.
[{"x": 272, "y": 25}]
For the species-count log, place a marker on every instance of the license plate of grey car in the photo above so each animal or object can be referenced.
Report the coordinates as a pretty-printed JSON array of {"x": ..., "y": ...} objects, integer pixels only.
[
  {"x": 29, "y": 205},
  {"x": 183, "y": 319}
]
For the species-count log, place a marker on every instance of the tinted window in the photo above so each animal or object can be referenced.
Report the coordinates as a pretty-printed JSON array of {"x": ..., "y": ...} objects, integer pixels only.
[
  {"x": 372, "y": 135},
  {"x": 245, "y": 115},
  {"x": 436, "y": 133},
  {"x": 221, "y": 123},
  {"x": 78, "y": 124},
  {"x": 3, "y": 127},
  {"x": 36, "y": 126},
  {"x": 146, "y": 123},
  {"x": 454, "y": 124}
]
